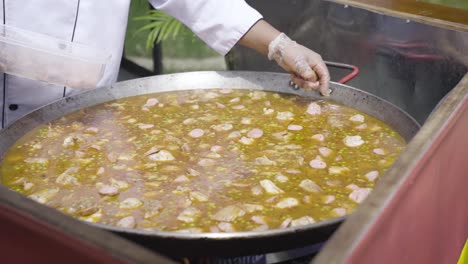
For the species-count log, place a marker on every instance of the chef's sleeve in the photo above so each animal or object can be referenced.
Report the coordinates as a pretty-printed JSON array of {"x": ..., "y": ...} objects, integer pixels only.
[{"x": 219, "y": 23}]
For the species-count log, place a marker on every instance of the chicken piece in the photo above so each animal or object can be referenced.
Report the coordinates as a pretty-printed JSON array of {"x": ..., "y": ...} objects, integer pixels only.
[
  {"x": 66, "y": 178},
  {"x": 246, "y": 120},
  {"x": 372, "y": 175},
  {"x": 145, "y": 126},
  {"x": 246, "y": 141},
  {"x": 210, "y": 95},
  {"x": 130, "y": 203},
  {"x": 198, "y": 196},
  {"x": 353, "y": 141},
  {"x": 112, "y": 157},
  {"x": 91, "y": 130},
  {"x": 260, "y": 228},
  {"x": 192, "y": 230},
  {"x": 184, "y": 202},
  {"x": 222, "y": 127},
  {"x": 310, "y": 186},
  {"x": 286, "y": 223},
  {"x": 287, "y": 203},
  {"x": 255, "y": 133},
  {"x": 37, "y": 146},
  {"x": 162, "y": 155},
  {"x": 28, "y": 186},
  {"x": 181, "y": 179},
  {"x": 37, "y": 160},
  {"x": 285, "y": 115},
  {"x": 314, "y": 109},
  {"x": 339, "y": 211},
  {"x": 80, "y": 154},
  {"x": 214, "y": 229},
  {"x": 94, "y": 218},
  {"x": 268, "y": 111},
  {"x": 360, "y": 194},
  {"x": 225, "y": 91},
  {"x": 333, "y": 182},
  {"x": 318, "y": 137},
  {"x": 196, "y": 133},
  {"x": 256, "y": 190},
  {"x": 270, "y": 187},
  {"x": 264, "y": 161},
  {"x": 272, "y": 199},
  {"x": 189, "y": 121},
  {"x": 250, "y": 208},
  {"x": 361, "y": 127},
  {"x": 108, "y": 190},
  {"x": 283, "y": 135},
  {"x": 317, "y": 164},
  {"x": 228, "y": 214},
  {"x": 226, "y": 227},
  {"x": 295, "y": 127},
  {"x": 43, "y": 196},
  {"x": 72, "y": 141},
  {"x": 238, "y": 107},
  {"x": 324, "y": 151},
  {"x": 193, "y": 172},
  {"x": 86, "y": 206},
  {"x": 259, "y": 219},
  {"x": 329, "y": 199},
  {"x": 257, "y": 95},
  {"x": 234, "y": 134},
  {"x": 375, "y": 128},
  {"x": 292, "y": 146},
  {"x": 281, "y": 178},
  {"x": 152, "y": 150},
  {"x": 357, "y": 118},
  {"x": 152, "y": 208},
  {"x": 127, "y": 222},
  {"x": 380, "y": 151},
  {"x": 353, "y": 187},
  {"x": 337, "y": 170},
  {"x": 207, "y": 162},
  {"x": 189, "y": 215},
  {"x": 121, "y": 185},
  {"x": 151, "y": 102},
  {"x": 305, "y": 220}
]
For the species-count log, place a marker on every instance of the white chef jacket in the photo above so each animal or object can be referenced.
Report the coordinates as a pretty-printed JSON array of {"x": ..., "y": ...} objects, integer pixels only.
[{"x": 102, "y": 24}]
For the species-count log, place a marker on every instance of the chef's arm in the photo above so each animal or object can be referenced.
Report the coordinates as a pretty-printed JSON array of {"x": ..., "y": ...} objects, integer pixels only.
[
  {"x": 306, "y": 67},
  {"x": 222, "y": 24}
]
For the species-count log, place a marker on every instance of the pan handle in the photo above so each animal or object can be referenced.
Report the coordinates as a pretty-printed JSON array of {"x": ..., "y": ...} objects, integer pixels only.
[{"x": 347, "y": 78}]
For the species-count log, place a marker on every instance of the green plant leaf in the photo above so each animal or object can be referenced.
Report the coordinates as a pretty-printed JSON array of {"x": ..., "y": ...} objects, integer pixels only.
[{"x": 161, "y": 27}]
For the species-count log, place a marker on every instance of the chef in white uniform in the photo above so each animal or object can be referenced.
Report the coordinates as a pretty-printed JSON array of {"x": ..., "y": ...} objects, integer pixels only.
[{"x": 102, "y": 24}]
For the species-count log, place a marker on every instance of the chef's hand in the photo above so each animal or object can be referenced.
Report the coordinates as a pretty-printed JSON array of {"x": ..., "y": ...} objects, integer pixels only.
[{"x": 306, "y": 67}]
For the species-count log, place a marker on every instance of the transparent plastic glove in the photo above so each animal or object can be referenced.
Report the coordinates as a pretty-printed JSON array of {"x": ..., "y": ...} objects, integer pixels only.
[{"x": 306, "y": 67}]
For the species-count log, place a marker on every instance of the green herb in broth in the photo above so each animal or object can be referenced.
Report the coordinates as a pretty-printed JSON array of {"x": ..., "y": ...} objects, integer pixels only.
[{"x": 204, "y": 161}]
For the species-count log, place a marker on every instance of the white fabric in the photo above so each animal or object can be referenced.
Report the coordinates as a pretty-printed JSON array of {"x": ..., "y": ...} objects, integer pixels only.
[
  {"x": 221, "y": 24},
  {"x": 102, "y": 24}
]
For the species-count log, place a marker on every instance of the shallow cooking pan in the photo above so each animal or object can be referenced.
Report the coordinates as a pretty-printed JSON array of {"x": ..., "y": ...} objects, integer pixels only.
[{"x": 219, "y": 244}]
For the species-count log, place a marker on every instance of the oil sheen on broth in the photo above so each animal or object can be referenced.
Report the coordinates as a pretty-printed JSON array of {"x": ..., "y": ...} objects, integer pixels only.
[{"x": 204, "y": 161}]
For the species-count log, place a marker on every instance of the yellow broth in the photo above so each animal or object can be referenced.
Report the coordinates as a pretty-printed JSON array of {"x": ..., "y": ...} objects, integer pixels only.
[{"x": 204, "y": 161}]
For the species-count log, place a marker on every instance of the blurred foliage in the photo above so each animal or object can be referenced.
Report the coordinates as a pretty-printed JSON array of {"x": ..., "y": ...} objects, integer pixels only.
[
  {"x": 147, "y": 27},
  {"x": 160, "y": 26}
]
